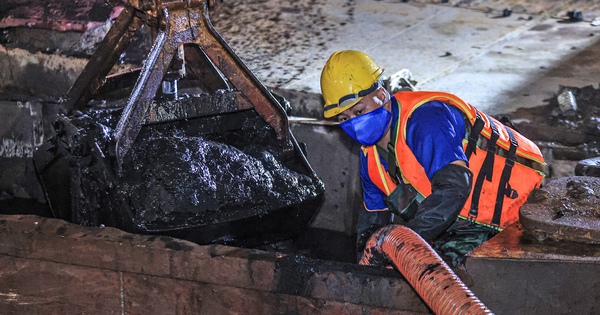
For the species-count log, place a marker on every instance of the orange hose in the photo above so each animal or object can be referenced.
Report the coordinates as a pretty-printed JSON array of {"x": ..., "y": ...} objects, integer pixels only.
[{"x": 424, "y": 269}]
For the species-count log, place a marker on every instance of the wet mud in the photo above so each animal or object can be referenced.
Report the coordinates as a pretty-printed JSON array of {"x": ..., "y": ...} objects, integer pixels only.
[
  {"x": 567, "y": 128},
  {"x": 297, "y": 275},
  {"x": 565, "y": 209},
  {"x": 200, "y": 179},
  {"x": 588, "y": 167},
  {"x": 180, "y": 179},
  {"x": 570, "y": 131}
]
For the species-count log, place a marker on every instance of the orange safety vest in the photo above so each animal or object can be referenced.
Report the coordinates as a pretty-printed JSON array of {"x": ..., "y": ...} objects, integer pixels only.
[{"x": 506, "y": 166}]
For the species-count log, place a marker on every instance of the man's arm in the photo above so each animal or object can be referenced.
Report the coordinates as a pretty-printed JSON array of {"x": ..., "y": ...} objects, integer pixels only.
[{"x": 450, "y": 188}]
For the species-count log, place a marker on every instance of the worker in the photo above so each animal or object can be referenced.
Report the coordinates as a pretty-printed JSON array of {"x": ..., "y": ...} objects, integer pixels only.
[{"x": 428, "y": 159}]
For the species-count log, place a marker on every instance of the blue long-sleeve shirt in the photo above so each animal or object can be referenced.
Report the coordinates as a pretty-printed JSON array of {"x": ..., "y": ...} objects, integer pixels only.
[{"x": 434, "y": 134}]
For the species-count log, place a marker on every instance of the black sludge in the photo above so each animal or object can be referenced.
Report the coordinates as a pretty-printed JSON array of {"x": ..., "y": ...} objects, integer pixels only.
[{"x": 218, "y": 179}]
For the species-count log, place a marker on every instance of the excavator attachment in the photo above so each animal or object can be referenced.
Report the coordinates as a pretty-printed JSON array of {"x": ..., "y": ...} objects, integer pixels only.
[{"x": 190, "y": 145}]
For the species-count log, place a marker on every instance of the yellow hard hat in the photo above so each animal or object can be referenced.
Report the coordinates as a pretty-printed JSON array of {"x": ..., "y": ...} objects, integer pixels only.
[{"x": 347, "y": 77}]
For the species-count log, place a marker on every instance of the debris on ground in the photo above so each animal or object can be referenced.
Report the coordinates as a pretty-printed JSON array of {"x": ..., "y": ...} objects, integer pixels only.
[
  {"x": 588, "y": 167},
  {"x": 567, "y": 128},
  {"x": 575, "y": 16}
]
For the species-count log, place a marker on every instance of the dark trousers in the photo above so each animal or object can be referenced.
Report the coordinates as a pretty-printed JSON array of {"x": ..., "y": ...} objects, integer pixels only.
[{"x": 460, "y": 239}]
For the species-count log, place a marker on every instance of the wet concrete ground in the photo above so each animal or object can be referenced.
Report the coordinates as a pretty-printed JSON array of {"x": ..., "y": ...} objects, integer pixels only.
[{"x": 464, "y": 47}]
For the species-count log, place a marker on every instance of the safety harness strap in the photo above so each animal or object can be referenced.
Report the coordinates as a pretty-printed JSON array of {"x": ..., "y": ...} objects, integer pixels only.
[
  {"x": 474, "y": 135},
  {"x": 392, "y": 165},
  {"x": 504, "y": 188},
  {"x": 487, "y": 169}
]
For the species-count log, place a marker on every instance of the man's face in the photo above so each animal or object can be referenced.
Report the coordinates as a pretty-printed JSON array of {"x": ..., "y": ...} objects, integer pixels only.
[{"x": 368, "y": 103}]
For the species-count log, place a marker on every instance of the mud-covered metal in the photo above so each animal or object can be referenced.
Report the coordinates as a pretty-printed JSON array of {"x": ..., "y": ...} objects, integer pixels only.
[
  {"x": 195, "y": 105},
  {"x": 173, "y": 24},
  {"x": 215, "y": 179},
  {"x": 93, "y": 75},
  {"x": 22, "y": 131},
  {"x": 572, "y": 134},
  {"x": 209, "y": 157},
  {"x": 565, "y": 209}
]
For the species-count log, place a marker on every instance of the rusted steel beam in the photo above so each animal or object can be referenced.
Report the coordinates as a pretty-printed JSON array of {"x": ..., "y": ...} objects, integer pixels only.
[
  {"x": 155, "y": 67},
  {"x": 177, "y": 27},
  {"x": 93, "y": 75},
  {"x": 190, "y": 24},
  {"x": 204, "y": 69},
  {"x": 154, "y": 7},
  {"x": 240, "y": 76}
]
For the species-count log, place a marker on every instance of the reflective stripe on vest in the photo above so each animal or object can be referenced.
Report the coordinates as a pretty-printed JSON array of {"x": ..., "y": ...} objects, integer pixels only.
[
  {"x": 382, "y": 180},
  {"x": 498, "y": 192}
]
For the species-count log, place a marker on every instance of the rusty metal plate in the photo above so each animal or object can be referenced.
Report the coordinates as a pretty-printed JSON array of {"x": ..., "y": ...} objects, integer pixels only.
[
  {"x": 58, "y": 15},
  {"x": 513, "y": 274},
  {"x": 565, "y": 209},
  {"x": 513, "y": 243}
]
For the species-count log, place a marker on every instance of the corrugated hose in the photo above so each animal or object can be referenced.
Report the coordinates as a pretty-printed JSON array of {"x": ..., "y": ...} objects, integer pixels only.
[{"x": 423, "y": 268}]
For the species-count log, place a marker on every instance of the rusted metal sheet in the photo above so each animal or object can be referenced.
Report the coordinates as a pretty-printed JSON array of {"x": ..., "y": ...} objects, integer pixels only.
[
  {"x": 93, "y": 75},
  {"x": 564, "y": 209},
  {"x": 516, "y": 275},
  {"x": 58, "y": 15},
  {"x": 105, "y": 270},
  {"x": 512, "y": 244}
]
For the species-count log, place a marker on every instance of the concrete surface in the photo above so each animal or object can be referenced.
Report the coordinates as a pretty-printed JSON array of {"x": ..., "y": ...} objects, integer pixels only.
[{"x": 462, "y": 47}]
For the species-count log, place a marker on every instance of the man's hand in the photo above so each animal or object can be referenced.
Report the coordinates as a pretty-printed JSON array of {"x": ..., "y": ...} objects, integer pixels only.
[
  {"x": 363, "y": 237},
  {"x": 450, "y": 188}
]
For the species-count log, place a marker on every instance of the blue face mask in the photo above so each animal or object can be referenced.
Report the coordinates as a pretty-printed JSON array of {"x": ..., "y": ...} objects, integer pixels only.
[{"x": 368, "y": 128}]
